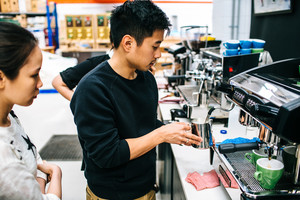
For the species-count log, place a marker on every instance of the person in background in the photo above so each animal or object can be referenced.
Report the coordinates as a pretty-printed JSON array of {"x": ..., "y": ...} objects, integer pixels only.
[
  {"x": 23, "y": 173},
  {"x": 68, "y": 79},
  {"x": 115, "y": 109}
]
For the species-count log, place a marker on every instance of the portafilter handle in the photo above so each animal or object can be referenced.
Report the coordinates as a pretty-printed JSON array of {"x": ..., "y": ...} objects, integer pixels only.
[
  {"x": 225, "y": 88},
  {"x": 231, "y": 147}
]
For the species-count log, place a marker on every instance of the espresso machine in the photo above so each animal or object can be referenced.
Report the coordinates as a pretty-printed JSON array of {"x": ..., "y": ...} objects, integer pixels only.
[
  {"x": 269, "y": 99},
  {"x": 204, "y": 72},
  {"x": 197, "y": 76}
]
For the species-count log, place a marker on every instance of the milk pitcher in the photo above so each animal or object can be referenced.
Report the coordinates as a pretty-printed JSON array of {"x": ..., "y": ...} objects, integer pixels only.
[{"x": 204, "y": 131}]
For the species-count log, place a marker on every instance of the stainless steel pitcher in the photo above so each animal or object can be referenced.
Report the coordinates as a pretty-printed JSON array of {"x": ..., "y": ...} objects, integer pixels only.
[{"x": 204, "y": 131}]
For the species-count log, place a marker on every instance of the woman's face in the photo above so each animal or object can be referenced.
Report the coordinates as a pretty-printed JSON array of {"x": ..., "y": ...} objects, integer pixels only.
[{"x": 25, "y": 87}]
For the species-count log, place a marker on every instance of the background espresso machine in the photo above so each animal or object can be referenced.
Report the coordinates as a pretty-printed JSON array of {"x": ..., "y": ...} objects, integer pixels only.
[
  {"x": 203, "y": 73},
  {"x": 269, "y": 98}
]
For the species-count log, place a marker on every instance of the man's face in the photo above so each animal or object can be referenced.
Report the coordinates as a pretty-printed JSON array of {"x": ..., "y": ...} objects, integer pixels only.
[{"x": 144, "y": 56}]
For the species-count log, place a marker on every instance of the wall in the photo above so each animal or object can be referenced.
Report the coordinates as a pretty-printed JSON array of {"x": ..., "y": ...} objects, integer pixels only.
[
  {"x": 222, "y": 22},
  {"x": 281, "y": 33},
  {"x": 217, "y": 15},
  {"x": 187, "y": 13}
]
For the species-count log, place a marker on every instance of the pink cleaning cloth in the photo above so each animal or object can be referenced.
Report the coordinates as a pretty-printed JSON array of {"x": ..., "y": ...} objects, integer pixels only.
[
  {"x": 207, "y": 180},
  {"x": 234, "y": 184}
]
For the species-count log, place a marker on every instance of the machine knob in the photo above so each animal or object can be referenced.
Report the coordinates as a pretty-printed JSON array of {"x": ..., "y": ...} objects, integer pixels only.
[
  {"x": 265, "y": 113},
  {"x": 264, "y": 110},
  {"x": 225, "y": 88},
  {"x": 240, "y": 95},
  {"x": 188, "y": 110},
  {"x": 177, "y": 113}
]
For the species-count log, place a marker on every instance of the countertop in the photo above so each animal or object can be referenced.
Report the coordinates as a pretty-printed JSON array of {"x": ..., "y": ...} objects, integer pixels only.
[
  {"x": 189, "y": 159},
  {"x": 198, "y": 160}
]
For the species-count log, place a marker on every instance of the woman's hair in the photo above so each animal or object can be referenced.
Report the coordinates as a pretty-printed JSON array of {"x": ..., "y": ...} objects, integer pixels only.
[
  {"x": 16, "y": 44},
  {"x": 138, "y": 18}
]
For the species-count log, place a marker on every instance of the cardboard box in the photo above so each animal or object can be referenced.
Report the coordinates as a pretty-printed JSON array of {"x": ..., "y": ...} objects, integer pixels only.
[
  {"x": 14, "y": 4},
  {"x": 28, "y": 5},
  {"x": 5, "y": 6},
  {"x": 34, "y": 6},
  {"x": 41, "y": 6}
]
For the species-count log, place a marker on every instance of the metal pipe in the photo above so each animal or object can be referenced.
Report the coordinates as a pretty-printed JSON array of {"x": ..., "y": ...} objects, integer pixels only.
[
  {"x": 297, "y": 170},
  {"x": 238, "y": 20},
  {"x": 232, "y": 19}
]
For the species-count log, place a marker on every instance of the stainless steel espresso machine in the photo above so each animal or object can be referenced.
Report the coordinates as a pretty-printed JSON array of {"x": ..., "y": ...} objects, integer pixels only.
[
  {"x": 269, "y": 98},
  {"x": 203, "y": 73}
]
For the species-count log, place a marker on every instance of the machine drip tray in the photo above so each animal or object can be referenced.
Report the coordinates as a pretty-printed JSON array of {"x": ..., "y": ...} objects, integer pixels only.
[
  {"x": 244, "y": 170},
  {"x": 187, "y": 92}
]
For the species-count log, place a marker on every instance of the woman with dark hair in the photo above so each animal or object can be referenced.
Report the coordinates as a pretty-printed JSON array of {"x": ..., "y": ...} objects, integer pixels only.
[{"x": 23, "y": 174}]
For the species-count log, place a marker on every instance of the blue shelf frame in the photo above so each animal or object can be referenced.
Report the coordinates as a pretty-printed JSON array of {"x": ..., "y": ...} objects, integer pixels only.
[{"x": 50, "y": 17}]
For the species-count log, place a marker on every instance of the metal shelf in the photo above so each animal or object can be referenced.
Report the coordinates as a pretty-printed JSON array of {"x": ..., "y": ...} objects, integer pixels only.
[
  {"x": 30, "y": 14},
  {"x": 49, "y": 15}
]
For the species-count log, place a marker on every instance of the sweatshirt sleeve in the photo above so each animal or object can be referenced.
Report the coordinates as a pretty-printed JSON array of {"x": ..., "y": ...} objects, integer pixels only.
[
  {"x": 159, "y": 123},
  {"x": 95, "y": 120},
  {"x": 16, "y": 182},
  {"x": 72, "y": 75}
]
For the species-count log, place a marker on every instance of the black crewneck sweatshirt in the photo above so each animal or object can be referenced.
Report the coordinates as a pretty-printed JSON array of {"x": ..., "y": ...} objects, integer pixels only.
[{"x": 107, "y": 110}]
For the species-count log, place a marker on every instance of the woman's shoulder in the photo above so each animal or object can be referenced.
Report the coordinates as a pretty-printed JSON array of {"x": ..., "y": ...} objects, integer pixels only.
[
  {"x": 8, "y": 153},
  {"x": 5, "y": 148},
  {"x": 8, "y": 133},
  {"x": 8, "y": 140}
]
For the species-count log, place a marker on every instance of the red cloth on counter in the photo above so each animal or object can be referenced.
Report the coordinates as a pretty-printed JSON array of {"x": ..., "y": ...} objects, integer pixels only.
[
  {"x": 170, "y": 98},
  {"x": 207, "y": 180},
  {"x": 234, "y": 184}
]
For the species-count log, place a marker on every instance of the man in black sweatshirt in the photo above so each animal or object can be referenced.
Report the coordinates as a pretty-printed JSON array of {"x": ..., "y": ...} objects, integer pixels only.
[{"x": 115, "y": 109}]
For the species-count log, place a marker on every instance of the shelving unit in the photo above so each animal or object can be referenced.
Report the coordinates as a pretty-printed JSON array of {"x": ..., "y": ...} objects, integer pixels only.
[
  {"x": 49, "y": 15},
  {"x": 29, "y": 14},
  {"x": 49, "y": 19}
]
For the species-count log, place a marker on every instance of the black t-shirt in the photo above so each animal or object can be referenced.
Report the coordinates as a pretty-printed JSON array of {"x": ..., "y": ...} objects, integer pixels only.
[
  {"x": 73, "y": 75},
  {"x": 108, "y": 109}
]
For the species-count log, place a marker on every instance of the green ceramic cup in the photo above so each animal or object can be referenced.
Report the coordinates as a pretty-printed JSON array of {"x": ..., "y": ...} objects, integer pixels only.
[
  {"x": 255, "y": 155},
  {"x": 268, "y": 172},
  {"x": 257, "y": 50}
]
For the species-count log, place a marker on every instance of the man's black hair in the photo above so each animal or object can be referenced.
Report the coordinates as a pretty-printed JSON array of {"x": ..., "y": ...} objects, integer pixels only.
[{"x": 139, "y": 19}]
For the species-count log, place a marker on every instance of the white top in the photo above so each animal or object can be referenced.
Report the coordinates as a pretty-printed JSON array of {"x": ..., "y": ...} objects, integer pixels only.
[{"x": 18, "y": 165}]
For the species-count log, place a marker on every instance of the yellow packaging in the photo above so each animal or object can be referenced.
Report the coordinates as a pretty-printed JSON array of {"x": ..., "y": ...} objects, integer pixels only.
[
  {"x": 14, "y": 4},
  {"x": 5, "y": 6}
]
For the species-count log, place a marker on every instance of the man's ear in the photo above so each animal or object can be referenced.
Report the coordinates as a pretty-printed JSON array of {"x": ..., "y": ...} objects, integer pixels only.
[
  {"x": 127, "y": 42},
  {"x": 2, "y": 79}
]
